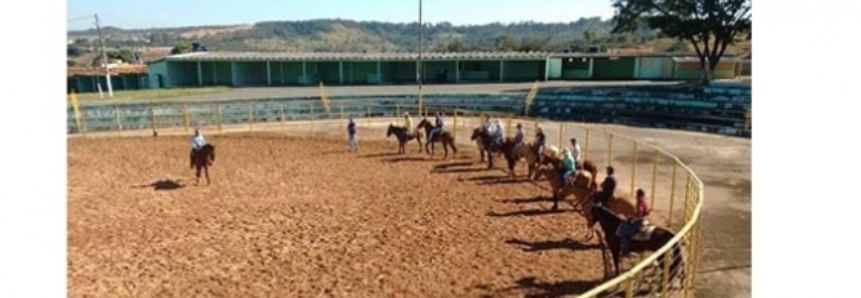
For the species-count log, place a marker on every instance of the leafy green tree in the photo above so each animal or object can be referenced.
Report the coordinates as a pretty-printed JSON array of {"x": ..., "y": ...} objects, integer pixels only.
[{"x": 709, "y": 25}]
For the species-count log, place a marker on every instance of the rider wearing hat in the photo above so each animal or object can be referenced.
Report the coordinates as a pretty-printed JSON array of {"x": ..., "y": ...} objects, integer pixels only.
[
  {"x": 568, "y": 166},
  {"x": 408, "y": 123}
]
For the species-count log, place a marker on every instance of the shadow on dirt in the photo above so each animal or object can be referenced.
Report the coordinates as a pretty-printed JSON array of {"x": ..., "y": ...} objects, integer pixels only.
[
  {"x": 539, "y": 246},
  {"x": 532, "y": 288},
  {"x": 163, "y": 185}
]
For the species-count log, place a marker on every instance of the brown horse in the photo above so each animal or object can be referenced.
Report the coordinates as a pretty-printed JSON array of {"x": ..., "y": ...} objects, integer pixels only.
[
  {"x": 550, "y": 156},
  {"x": 583, "y": 189},
  {"x": 514, "y": 153},
  {"x": 203, "y": 159},
  {"x": 445, "y": 137},
  {"x": 404, "y": 135}
]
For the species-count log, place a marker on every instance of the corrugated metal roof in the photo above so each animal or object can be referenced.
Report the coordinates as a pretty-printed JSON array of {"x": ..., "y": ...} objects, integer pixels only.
[
  {"x": 300, "y": 56},
  {"x": 100, "y": 71}
]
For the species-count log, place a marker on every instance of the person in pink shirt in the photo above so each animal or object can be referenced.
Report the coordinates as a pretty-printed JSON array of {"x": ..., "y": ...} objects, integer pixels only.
[{"x": 635, "y": 222}]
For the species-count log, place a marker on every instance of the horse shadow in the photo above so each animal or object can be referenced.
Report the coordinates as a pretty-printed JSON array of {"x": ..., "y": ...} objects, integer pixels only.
[
  {"x": 383, "y": 154},
  {"x": 538, "y": 199},
  {"x": 457, "y": 167},
  {"x": 408, "y": 158},
  {"x": 493, "y": 180},
  {"x": 532, "y": 288},
  {"x": 539, "y": 246},
  {"x": 529, "y": 212},
  {"x": 163, "y": 185}
]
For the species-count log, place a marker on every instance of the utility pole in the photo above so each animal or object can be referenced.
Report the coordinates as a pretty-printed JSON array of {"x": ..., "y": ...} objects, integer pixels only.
[
  {"x": 104, "y": 58},
  {"x": 420, "y": 70}
]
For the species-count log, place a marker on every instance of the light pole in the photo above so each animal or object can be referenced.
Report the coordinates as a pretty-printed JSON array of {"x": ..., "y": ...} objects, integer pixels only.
[
  {"x": 420, "y": 66},
  {"x": 104, "y": 58}
]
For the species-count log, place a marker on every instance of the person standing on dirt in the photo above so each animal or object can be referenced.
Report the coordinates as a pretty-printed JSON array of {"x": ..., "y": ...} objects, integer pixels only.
[
  {"x": 197, "y": 143},
  {"x": 575, "y": 152},
  {"x": 351, "y": 132}
]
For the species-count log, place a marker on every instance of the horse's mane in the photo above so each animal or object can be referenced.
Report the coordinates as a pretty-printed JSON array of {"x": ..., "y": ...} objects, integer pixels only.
[{"x": 609, "y": 212}]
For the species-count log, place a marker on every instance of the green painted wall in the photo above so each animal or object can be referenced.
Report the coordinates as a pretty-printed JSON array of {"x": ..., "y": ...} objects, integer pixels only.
[
  {"x": 653, "y": 68},
  {"x": 155, "y": 70},
  {"x": 440, "y": 71},
  {"x": 479, "y": 71},
  {"x": 182, "y": 74},
  {"x": 575, "y": 68},
  {"x": 360, "y": 73},
  {"x": 555, "y": 69},
  {"x": 621, "y": 68},
  {"x": 690, "y": 70},
  {"x": 524, "y": 71},
  {"x": 399, "y": 72},
  {"x": 328, "y": 72},
  {"x": 251, "y": 74}
]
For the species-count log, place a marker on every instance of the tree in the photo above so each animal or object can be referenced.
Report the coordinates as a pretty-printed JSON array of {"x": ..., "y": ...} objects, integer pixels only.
[
  {"x": 124, "y": 55},
  {"x": 505, "y": 43},
  {"x": 709, "y": 25},
  {"x": 181, "y": 47}
]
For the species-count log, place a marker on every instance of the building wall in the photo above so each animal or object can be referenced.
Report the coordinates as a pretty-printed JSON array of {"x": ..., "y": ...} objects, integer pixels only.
[
  {"x": 524, "y": 71},
  {"x": 555, "y": 69},
  {"x": 158, "y": 70},
  {"x": 575, "y": 68},
  {"x": 653, "y": 68},
  {"x": 690, "y": 70},
  {"x": 621, "y": 68}
]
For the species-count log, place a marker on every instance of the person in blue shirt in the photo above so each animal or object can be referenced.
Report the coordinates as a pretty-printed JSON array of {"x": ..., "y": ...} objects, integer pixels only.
[
  {"x": 351, "y": 132},
  {"x": 197, "y": 142},
  {"x": 438, "y": 126}
]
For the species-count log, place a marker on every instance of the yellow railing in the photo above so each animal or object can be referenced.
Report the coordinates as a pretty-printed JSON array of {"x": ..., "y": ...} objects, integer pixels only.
[{"x": 602, "y": 146}]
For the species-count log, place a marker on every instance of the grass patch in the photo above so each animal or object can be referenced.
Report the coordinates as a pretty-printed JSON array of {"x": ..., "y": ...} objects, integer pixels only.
[{"x": 150, "y": 94}]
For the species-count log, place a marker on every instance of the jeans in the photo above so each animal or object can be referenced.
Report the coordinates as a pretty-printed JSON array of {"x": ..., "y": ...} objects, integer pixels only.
[
  {"x": 433, "y": 133},
  {"x": 566, "y": 175},
  {"x": 354, "y": 143},
  {"x": 628, "y": 232},
  {"x": 191, "y": 156},
  {"x": 600, "y": 198}
]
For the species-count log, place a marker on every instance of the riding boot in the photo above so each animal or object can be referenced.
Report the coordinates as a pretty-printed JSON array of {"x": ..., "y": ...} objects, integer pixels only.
[{"x": 191, "y": 158}]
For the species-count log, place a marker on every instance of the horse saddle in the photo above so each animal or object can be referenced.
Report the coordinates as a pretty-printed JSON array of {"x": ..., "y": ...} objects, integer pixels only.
[{"x": 643, "y": 234}]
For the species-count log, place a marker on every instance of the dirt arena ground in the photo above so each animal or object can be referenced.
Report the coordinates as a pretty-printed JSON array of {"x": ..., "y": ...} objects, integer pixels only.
[{"x": 298, "y": 218}]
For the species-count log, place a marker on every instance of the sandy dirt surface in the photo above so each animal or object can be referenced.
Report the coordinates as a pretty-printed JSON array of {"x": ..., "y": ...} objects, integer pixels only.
[
  {"x": 723, "y": 164},
  {"x": 298, "y": 218}
]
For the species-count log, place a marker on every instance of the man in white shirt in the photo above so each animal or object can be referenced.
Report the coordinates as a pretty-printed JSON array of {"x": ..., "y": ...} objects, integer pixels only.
[
  {"x": 575, "y": 152},
  {"x": 500, "y": 131},
  {"x": 197, "y": 142}
]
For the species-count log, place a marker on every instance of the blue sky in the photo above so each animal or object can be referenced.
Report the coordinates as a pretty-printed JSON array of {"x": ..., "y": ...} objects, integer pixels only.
[{"x": 172, "y": 13}]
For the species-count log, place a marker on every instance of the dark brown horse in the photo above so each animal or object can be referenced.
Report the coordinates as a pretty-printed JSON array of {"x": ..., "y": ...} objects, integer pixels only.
[
  {"x": 203, "y": 159},
  {"x": 487, "y": 146},
  {"x": 649, "y": 238},
  {"x": 445, "y": 137},
  {"x": 404, "y": 135}
]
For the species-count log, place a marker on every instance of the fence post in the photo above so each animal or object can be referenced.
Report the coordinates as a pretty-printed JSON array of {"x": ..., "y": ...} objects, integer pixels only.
[
  {"x": 250, "y": 117},
  {"x": 629, "y": 288},
  {"x": 665, "y": 277},
  {"x": 586, "y": 149},
  {"x": 610, "y": 151},
  {"x": 281, "y": 116},
  {"x": 561, "y": 133},
  {"x": 119, "y": 119},
  {"x": 634, "y": 168},
  {"x": 152, "y": 118},
  {"x": 455, "y": 123},
  {"x": 654, "y": 177},
  {"x": 187, "y": 116},
  {"x": 508, "y": 131},
  {"x": 672, "y": 193},
  {"x": 311, "y": 109},
  {"x": 368, "y": 117},
  {"x": 218, "y": 116}
]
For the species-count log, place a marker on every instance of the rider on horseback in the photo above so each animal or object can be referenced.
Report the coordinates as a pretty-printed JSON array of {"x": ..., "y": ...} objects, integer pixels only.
[
  {"x": 608, "y": 188},
  {"x": 634, "y": 223},
  {"x": 500, "y": 131},
  {"x": 439, "y": 125},
  {"x": 540, "y": 139},
  {"x": 567, "y": 166},
  {"x": 519, "y": 135},
  {"x": 408, "y": 123},
  {"x": 197, "y": 142},
  {"x": 575, "y": 152}
]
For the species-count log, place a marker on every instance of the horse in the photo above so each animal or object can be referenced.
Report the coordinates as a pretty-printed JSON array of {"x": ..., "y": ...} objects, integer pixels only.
[
  {"x": 404, "y": 135},
  {"x": 514, "y": 152},
  {"x": 445, "y": 137},
  {"x": 204, "y": 158},
  {"x": 486, "y": 145},
  {"x": 649, "y": 238},
  {"x": 551, "y": 156}
]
